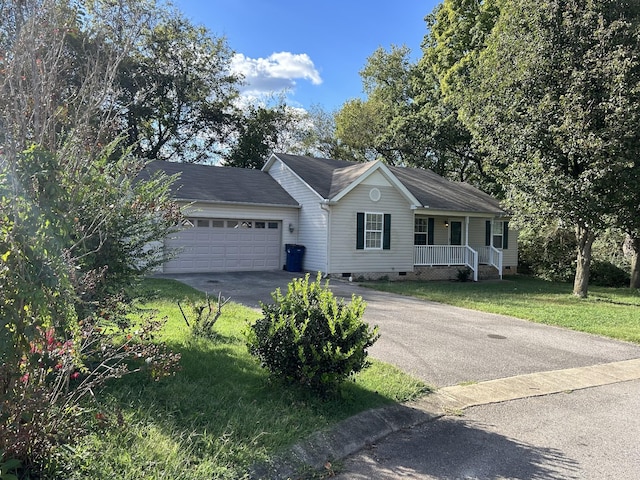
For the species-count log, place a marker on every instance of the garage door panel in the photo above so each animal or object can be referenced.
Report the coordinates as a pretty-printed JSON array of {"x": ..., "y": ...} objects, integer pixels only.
[{"x": 208, "y": 249}]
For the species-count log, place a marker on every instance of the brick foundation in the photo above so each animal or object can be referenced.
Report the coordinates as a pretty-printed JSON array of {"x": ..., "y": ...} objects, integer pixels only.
[{"x": 427, "y": 274}]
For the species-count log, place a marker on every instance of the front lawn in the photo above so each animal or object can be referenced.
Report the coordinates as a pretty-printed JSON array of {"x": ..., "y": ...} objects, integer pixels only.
[
  {"x": 220, "y": 413},
  {"x": 612, "y": 312}
]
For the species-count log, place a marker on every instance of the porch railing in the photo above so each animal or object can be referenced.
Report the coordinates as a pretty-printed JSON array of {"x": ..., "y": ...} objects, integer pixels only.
[
  {"x": 491, "y": 256},
  {"x": 447, "y": 255}
]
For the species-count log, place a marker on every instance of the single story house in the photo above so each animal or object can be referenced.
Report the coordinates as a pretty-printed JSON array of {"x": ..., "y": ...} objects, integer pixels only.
[{"x": 365, "y": 220}]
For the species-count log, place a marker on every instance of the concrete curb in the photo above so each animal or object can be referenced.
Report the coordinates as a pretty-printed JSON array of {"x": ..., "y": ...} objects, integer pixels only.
[
  {"x": 342, "y": 440},
  {"x": 355, "y": 433}
]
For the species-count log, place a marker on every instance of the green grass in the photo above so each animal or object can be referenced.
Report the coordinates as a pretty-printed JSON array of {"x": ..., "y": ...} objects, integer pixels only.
[
  {"x": 219, "y": 413},
  {"x": 611, "y": 312}
]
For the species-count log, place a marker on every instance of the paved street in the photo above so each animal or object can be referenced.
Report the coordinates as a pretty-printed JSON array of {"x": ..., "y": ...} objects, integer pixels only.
[{"x": 589, "y": 434}]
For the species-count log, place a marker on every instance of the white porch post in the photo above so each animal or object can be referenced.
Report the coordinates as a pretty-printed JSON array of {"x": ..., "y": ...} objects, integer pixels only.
[
  {"x": 466, "y": 233},
  {"x": 491, "y": 234}
]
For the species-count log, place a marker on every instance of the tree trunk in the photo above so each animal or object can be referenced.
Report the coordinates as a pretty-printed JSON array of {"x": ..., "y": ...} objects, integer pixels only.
[
  {"x": 634, "y": 243},
  {"x": 585, "y": 238}
]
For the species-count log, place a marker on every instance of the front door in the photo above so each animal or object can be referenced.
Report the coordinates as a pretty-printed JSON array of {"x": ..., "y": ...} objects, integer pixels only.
[{"x": 455, "y": 235}]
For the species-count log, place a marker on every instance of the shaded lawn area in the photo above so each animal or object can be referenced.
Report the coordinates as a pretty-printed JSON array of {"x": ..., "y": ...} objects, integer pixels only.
[
  {"x": 611, "y": 312},
  {"x": 220, "y": 413}
]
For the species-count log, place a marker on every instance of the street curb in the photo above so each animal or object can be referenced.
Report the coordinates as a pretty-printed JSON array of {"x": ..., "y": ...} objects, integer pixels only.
[
  {"x": 345, "y": 438},
  {"x": 358, "y": 431}
]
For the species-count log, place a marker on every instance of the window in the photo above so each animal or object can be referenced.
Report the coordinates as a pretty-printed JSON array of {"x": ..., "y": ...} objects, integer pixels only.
[
  {"x": 273, "y": 225},
  {"x": 423, "y": 231},
  {"x": 232, "y": 224},
  {"x": 217, "y": 223},
  {"x": 202, "y": 223},
  {"x": 373, "y": 231},
  {"x": 420, "y": 231},
  {"x": 498, "y": 234},
  {"x": 260, "y": 224}
]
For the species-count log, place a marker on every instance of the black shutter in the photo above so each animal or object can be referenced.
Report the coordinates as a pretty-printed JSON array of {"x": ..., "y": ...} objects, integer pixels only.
[
  {"x": 487, "y": 233},
  {"x": 505, "y": 235},
  {"x": 430, "y": 227},
  {"x": 386, "y": 232},
  {"x": 360, "y": 231}
]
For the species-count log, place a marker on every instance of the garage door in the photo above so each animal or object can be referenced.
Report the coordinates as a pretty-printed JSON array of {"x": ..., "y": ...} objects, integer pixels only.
[{"x": 223, "y": 245}]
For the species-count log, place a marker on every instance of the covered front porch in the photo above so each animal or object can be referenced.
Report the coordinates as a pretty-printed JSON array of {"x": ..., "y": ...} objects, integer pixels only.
[{"x": 463, "y": 241}]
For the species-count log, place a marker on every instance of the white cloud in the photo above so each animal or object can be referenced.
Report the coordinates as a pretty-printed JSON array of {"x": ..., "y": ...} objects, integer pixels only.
[{"x": 276, "y": 73}]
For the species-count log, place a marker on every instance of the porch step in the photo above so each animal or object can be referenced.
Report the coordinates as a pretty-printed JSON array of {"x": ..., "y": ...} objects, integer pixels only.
[{"x": 487, "y": 272}]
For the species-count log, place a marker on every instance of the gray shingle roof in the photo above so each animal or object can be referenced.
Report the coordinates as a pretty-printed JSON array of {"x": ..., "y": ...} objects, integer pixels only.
[
  {"x": 328, "y": 177},
  {"x": 316, "y": 172},
  {"x": 223, "y": 184},
  {"x": 438, "y": 193}
]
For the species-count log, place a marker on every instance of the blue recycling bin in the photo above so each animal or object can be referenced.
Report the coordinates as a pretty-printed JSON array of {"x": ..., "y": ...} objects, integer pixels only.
[{"x": 294, "y": 257}]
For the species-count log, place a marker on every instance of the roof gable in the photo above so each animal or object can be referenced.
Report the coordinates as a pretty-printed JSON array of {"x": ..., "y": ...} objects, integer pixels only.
[
  {"x": 211, "y": 183},
  {"x": 364, "y": 173}
]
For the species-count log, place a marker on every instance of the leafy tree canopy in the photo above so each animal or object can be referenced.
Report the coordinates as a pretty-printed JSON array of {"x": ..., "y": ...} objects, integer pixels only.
[
  {"x": 176, "y": 91},
  {"x": 554, "y": 99}
]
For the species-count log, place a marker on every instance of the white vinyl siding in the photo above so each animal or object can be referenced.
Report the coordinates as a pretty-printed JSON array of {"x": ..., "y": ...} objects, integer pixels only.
[
  {"x": 311, "y": 227},
  {"x": 477, "y": 232},
  {"x": 345, "y": 258}
]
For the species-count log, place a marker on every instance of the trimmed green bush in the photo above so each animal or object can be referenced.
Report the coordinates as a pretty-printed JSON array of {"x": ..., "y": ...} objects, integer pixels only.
[{"x": 309, "y": 338}]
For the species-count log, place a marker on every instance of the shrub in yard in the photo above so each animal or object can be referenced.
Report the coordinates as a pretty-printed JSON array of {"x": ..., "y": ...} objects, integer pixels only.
[
  {"x": 463, "y": 275},
  {"x": 203, "y": 317},
  {"x": 42, "y": 395},
  {"x": 310, "y": 338},
  {"x": 606, "y": 274}
]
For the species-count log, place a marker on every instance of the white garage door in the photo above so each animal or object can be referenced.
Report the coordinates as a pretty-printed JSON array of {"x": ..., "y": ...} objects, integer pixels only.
[{"x": 222, "y": 245}]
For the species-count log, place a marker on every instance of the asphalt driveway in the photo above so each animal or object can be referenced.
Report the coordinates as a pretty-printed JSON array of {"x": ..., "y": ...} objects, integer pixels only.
[{"x": 440, "y": 344}]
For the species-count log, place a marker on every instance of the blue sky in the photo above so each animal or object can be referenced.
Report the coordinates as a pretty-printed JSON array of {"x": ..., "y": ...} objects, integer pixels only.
[{"x": 315, "y": 49}]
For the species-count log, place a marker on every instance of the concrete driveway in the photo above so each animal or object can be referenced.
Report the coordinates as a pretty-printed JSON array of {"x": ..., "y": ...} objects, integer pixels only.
[{"x": 440, "y": 344}]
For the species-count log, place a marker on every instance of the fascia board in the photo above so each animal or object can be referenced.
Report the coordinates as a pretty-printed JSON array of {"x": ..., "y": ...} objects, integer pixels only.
[
  {"x": 188, "y": 201},
  {"x": 458, "y": 213}
]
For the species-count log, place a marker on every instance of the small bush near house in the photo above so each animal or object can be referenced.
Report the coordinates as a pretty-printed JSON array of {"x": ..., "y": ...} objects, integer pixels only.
[
  {"x": 463, "y": 275},
  {"x": 307, "y": 337}
]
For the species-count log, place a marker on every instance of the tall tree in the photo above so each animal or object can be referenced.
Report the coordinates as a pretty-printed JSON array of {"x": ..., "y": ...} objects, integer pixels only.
[
  {"x": 74, "y": 219},
  {"x": 176, "y": 91},
  {"x": 261, "y": 130},
  {"x": 457, "y": 30},
  {"x": 319, "y": 137},
  {"x": 457, "y": 34},
  {"x": 555, "y": 98},
  {"x": 627, "y": 216},
  {"x": 368, "y": 129}
]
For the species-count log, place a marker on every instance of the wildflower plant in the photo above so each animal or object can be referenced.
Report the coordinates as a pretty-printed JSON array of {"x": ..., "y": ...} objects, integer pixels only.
[{"x": 42, "y": 400}]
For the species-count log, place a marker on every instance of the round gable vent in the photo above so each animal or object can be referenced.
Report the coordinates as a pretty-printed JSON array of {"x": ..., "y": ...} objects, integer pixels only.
[{"x": 374, "y": 194}]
